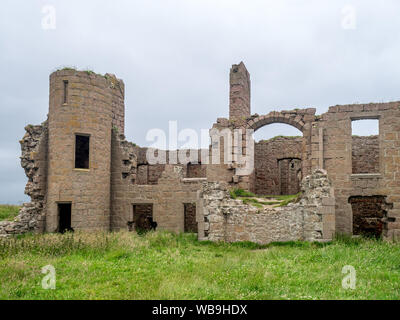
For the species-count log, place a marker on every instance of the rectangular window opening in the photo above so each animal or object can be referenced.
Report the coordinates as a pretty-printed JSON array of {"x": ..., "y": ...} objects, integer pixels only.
[
  {"x": 65, "y": 99},
  {"x": 365, "y": 146},
  {"x": 82, "y": 151},
  {"x": 64, "y": 217}
]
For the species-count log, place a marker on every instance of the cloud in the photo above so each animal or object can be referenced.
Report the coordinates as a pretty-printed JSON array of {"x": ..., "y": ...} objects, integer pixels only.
[{"x": 174, "y": 57}]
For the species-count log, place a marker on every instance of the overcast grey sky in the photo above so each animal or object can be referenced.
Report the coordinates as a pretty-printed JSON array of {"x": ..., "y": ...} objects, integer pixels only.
[{"x": 174, "y": 57}]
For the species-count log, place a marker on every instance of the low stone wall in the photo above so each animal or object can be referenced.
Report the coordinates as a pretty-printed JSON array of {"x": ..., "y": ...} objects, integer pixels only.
[
  {"x": 311, "y": 219},
  {"x": 31, "y": 217}
]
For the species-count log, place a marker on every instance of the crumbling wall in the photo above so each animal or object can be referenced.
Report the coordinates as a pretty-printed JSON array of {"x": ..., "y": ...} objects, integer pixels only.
[
  {"x": 31, "y": 217},
  {"x": 226, "y": 219},
  {"x": 239, "y": 97},
  {"x": 365, "y": 154},
  {"x": 267, "y": 157},
  {"x": 167, "y": 196}
]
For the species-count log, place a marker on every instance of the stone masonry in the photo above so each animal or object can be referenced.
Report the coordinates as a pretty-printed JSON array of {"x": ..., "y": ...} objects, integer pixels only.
[
  {"x": 349, "y": 184},
  {"x": 311, "y": 219}
]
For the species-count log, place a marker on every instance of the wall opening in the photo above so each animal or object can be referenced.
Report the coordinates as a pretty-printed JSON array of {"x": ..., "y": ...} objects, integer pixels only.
[
  {"x": 369, "y": 215},
  {"x": 143, "y": 218},
  {"x": 190, "y": 217},
  {"x": 64, "y": 217},
  {"x": 277, "y": 160},
  {"x": 289, "y": 176},
  {"x": 82, "y": 144},
  {"x": 65, "y": 96},
  {"x": 365, "y": 146}
]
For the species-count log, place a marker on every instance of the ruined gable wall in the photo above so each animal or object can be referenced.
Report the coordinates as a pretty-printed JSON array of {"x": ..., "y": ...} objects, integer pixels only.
[
  {"x": 266, "y": 156},
  {"x": 337, "y": 160}
]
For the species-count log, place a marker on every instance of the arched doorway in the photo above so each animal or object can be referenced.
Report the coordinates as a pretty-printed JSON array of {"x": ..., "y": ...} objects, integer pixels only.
[{"x": 279, "y": 149}]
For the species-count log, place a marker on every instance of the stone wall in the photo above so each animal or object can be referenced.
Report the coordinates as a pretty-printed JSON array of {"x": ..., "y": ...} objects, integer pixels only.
[
  {"x": 332, "y": 143},
  {"x": 31, "y": 217},
  {"x": 365, "y": 154},
  {"x": 276, "y": 168},
  {"x": 311, "y": 219}
]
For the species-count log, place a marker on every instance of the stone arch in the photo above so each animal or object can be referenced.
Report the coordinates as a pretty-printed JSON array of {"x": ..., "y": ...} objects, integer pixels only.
[
  {"x": 290, "y": 118},
  {"x": 301, "y": 119}
]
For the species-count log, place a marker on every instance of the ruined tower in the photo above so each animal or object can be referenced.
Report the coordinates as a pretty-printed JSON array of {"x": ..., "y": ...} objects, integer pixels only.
[
  {"x": 239, "y": 95},
  {"x": 84, "y": 108}
]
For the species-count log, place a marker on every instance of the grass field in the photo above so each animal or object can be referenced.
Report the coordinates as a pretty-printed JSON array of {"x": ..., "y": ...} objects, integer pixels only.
[
  {"x": 166, "y": 266},
  {"x": 8, "y": 212}
]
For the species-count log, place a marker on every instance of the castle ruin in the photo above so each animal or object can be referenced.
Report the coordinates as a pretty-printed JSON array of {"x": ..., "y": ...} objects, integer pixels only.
[{"x": 84, "y": 175}]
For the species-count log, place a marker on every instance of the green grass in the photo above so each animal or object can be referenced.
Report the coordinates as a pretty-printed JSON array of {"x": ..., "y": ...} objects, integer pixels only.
[
  {"x": 257, "y": 203},
  {"x": 250, "y": 198},
  {"x": 166, "y": 266},
  {"x": 235, "y": 193},
  {"x": 8, "y": 212}
]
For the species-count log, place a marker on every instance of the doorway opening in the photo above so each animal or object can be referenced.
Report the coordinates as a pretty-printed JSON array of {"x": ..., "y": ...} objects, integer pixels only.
[
  {"x": 190, "y": 217},
  {"x": 64, "y": 217}
]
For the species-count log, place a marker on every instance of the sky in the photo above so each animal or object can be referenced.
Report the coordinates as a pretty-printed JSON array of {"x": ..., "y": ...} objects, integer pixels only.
[{"x": 174, "y": 57}]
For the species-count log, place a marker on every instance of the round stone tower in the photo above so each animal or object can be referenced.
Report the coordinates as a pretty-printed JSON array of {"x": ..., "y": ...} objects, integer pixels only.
[{"x": 84, "y": 109}]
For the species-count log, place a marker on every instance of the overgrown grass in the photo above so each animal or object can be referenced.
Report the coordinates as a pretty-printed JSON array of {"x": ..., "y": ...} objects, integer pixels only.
[
  {"x": 8, "y": 212},
  {"x": 250, "y": 198},
  {"x": 166, "y": 266},
  {"x": 259, "y": 204},
  {"x": 235, "y": 193}
]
